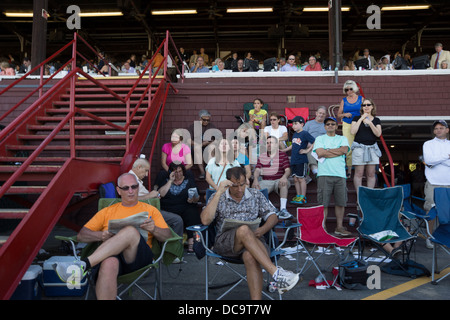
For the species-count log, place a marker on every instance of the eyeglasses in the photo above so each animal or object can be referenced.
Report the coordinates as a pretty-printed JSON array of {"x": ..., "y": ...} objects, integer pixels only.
[
  {"x": 366, "y": 105},
  {"x": 126, "y": 188},
  {"x": 330, "y": 124},
  {"x": 205, "y": 120},
  {"x": 347, "y": 89}
]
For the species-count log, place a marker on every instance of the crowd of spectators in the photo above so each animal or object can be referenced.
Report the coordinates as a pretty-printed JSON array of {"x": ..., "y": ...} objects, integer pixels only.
[{"x": 201, "y": 62}]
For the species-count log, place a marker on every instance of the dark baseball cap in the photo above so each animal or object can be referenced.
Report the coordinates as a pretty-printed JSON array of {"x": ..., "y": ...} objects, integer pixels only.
[
  {"x": 442, "y": 122},
  {"x": 298, "y": 119},
  {"x": 328, "y": 119}
]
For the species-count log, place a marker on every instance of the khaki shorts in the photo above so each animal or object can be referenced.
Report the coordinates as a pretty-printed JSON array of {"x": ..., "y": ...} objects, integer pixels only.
[
  {"x": 327, "y": 186},
  {"x": 224, "y": 245},
  {"x": 272, "y": 185},
  {"x": 429, "y": 195}
]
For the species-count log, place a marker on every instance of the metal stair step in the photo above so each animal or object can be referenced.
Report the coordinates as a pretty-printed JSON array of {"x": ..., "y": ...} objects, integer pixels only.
[
  {"x": 108, "y": 118},
  {"x": 26, "y": 189},
  {"x": 93, "y": 110},
  {"x": 102, "y": 95},
  {"x": 13, "y": 214},
  {"x": 32, "y": 168},
  {"x": 77, "y": 147},
  {"x": 61, "y": 159},
  {"x": 37, "y": 127},
  {"x": 77, "y": 137},
  {"x": 91, "y": 102}
]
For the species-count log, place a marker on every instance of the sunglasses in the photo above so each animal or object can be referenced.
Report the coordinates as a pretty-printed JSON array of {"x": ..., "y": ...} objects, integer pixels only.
[
  {"x": 274, "y": 119},
  {"x": 366, "y": 105},
  {"x": 205, "y": 120},
  {"x": 347, "y": 89},
  {"x": 126, "y": 188}
]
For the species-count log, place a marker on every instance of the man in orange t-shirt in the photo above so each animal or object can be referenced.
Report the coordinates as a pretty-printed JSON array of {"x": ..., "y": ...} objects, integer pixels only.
[{"x": 125, "y": 251}]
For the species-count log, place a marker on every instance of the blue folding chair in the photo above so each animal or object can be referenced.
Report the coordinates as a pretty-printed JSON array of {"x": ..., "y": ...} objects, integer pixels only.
[
  {"x": 381, "y": 209},
  {"x": 441, "y": 236}
]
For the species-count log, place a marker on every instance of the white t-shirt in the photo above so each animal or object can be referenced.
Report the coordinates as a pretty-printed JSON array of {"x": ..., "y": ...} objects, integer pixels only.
[
  {"x": 278, "y": 133},
  {"x": 215, "y": 170}
]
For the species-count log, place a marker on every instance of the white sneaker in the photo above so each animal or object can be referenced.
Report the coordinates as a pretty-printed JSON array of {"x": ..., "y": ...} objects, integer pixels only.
[
  {"x": 285, "y": 280},
  {"x": 284, "y": 214},
  {"x": 67, "y": 271},
  {"x": 429, "y": 244}
]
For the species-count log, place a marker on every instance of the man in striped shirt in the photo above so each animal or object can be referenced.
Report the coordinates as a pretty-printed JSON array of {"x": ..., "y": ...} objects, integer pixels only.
[{"x": 274, "y": 169}]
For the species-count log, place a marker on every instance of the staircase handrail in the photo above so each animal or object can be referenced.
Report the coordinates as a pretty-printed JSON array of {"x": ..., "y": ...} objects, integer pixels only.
[
  {"x": 76, "y": 37},
  {"x": 37, "y": 67},
  {"x": 181, "y": 72},
  {"x": 16, "y": 242},
  {"x": 8, "y": 183},
  {"x": 34, "y": 91}
]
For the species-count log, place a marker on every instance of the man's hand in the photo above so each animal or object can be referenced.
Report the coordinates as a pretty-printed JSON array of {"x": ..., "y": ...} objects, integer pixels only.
[
  {"x": 106, "y": 235},
  {"x": 148, "y": 225},
  {"x": 224, "y": 185}
]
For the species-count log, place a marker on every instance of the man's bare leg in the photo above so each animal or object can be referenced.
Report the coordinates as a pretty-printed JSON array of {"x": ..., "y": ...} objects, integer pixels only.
[
  {"x": 106, "y": 286},
  {"x": 254, "y": 276},
  {"x": 245, "y": 238},
  {"x": 125, "y": 242}
]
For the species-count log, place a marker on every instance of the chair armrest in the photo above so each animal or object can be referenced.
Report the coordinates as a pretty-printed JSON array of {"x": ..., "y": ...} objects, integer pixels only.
[
  {"x": 199, "y": 227},
  {"x": 174, "y": 238},
  {"x": 286, "y": 232}
]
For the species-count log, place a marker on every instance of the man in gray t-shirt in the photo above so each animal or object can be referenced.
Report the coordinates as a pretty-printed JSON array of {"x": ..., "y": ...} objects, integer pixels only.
[{"x": 316, "y": 128}]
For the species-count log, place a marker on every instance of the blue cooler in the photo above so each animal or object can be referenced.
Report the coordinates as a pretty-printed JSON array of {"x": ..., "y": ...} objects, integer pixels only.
[
  {"x": 30, "y": 287},
  {"x": 54, "y": 287}
]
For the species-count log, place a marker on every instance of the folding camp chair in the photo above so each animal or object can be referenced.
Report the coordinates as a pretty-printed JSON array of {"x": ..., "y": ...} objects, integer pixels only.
[
  {"x": 163, "y": 252},
  {"x": 291, "y": 113},
  {"x": 441, "y": 236},
  {"x": 414, "y": 216},
  {"x": 206, "y": 235},
  {"x": 381, "y": 225},
  {"x": 312, "y": 231}
]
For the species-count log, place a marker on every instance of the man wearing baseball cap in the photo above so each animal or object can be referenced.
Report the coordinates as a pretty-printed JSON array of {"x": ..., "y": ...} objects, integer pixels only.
[
  {"x": 331, "y": 149},
  {"x": 436, "y": 155}
]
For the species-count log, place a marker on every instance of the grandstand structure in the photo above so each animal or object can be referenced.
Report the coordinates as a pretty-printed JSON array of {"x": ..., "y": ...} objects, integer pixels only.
[{"x": 67, "y": 133}]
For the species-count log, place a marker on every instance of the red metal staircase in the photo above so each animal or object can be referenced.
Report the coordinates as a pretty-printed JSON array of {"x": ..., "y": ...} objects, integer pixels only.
[{"x": 80, "y": 133}]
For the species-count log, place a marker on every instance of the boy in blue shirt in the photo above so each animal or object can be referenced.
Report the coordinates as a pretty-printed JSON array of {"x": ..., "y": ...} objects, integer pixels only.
[{"x": 302, "y": 143}]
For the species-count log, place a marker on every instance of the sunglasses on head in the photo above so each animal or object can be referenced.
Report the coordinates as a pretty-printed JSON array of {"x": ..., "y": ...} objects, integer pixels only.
[{"x": 126, "y": 188}]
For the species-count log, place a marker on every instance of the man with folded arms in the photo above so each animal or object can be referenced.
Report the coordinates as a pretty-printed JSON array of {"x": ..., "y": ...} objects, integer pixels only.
[
  {"x": 331, "y": 149},
  {"x": 436, "y": 155}
]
